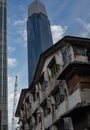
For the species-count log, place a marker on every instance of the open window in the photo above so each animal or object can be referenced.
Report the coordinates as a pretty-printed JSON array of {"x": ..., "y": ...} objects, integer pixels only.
[
  {"x": 56, "y": 96},
  {"x": 27, "y": 99},
  {"x": 43, "y": 81},
  {"x": 35, "y": 93},
  {"x": 88, "y": 53},
  {"x": 79, "y": 51},
  {"x": 54, "y": 67},
  {"x": 46, "y": 108}
]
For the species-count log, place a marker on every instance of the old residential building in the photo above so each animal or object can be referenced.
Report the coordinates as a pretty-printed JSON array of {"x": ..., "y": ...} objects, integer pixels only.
[{"x": 59, "y": 96}]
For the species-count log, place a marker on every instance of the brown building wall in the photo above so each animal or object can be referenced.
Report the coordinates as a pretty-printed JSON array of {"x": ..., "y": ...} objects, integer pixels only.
[{"x": 77, "y": 81}]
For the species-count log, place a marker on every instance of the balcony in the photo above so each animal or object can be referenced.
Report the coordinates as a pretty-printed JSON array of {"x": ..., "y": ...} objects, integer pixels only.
[
  {"x": 82, "y": 59},
  {"x": 50, "y": 87},
  {"x": 59, "y": 111},
  {"x": 34, "y": 106},
  {"x": 22, "y": 115},
  {"x": 73, "y": 67},
  {"x": 38, "y": 127},
  {"x": 48, "y": 121},
  {"x": 78, "y": 97},
  {"x": 73, "y": 100},
  {"x": 85, "y": 95},
  {"x": 28, "y": 111},
  {"x": 43, "y": 95}
]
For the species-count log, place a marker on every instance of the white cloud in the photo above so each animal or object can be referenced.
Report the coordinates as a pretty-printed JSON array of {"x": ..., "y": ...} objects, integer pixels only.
[
  {"x": 19, "y": 22},
  {"x": 23, "y": 34},
  {"x": 11, "y": 81},
  {"x": 21, "y": 7},
  {"x": 10, "y": 49},
  {"x": 58, "y": 32},
  {"x": 12, "y": 62},
  {"x": 21, "y": 29},
  {"x": 86, "y": 26}
]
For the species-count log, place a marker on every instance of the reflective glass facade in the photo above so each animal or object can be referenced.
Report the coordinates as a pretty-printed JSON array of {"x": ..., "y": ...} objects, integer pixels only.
[
  {"x": 39, "y": 39},
  {"x": 3, "y": 66}
]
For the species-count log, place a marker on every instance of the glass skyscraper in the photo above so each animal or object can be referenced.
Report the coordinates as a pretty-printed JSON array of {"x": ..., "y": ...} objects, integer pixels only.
[
  {"x": 38, "y": 35},
  {"x": 3, "y": 66}
]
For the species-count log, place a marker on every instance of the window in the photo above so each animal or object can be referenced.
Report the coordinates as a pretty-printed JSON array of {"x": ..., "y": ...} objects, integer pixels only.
[
  {"x": 27, "y": 100},
  {"x": 54, "y": 67},
  {"x": 47, "y": 128},
  {"x": 58, "y": 125},
  {"x": 34, "y": 120},
  {"x": 57, "y": 97},
  {"x": 66, "y": 54},
  {"x": 42, "y": 81},
  {"x": 68, "y": 123},
  {"x": 35, "y": 93},
  {"x": 38, "y": 117},
  {"x": 79, "y": 51},
  {"x": 88, "y": 53},
  {"x": 63, "y": 93},
  {"x": 46, "y": 109}
]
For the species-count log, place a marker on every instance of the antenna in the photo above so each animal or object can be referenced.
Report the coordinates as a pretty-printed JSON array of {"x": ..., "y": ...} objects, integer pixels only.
[{"x": 14, "y": 104}]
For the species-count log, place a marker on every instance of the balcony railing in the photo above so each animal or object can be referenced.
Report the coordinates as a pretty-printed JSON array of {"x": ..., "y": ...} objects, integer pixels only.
[
  {"x": 79, "y": 96},
  {"x": 48, "y": 121},
  {"x": 83, "y": 59},
  {"x": 38, "y": 127},
  {"x": 59, "y": 111},
  {"x": 50, "y": 87},
  {"x": 34, "y": 106}
]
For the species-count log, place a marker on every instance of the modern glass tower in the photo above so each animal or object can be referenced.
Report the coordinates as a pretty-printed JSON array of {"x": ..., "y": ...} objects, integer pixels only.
[
  {"x": 38, "y": 35},
  {"x": 3, "y": 66}
]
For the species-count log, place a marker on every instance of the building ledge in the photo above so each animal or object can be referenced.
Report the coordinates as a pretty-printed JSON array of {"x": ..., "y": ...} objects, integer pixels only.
[
  {"x": 77, "y": 110},
  {"x": 74, "y": 67}
]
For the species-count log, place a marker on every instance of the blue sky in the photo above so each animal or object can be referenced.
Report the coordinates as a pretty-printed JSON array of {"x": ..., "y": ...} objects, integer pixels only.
[{"x": 67, "y": 17}]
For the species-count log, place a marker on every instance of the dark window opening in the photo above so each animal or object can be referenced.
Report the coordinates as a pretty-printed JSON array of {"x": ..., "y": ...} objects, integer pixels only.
[
  {"x": 79, "y": 51},
  {"x": 46, "y": 109},
  {"x": 56, "y": 96},
  {"x": 43, "y": 82},
  {"x": 54, "y": 67},
  {"x": 27, "y": 100},
  {"x": 88, "y": 54}
]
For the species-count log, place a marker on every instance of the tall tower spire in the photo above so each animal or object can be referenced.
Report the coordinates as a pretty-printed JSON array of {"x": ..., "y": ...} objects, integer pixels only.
[
  {"x": 39, "y": 36},
  {"x": 36, "y": 7}
]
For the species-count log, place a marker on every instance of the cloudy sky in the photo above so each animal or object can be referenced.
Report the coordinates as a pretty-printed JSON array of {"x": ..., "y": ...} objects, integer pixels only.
[{"x": 67, "y": 17}]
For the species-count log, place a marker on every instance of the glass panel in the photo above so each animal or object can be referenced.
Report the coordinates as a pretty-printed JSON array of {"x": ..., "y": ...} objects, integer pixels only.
[{"x": 66, "y": 54}]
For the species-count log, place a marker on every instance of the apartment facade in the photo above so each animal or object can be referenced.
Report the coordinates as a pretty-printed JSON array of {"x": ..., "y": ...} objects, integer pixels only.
[
  {"x": 3, "y": 66},
  {"x": 59, "y": 96},
  {"x": 39, "y": 36}
]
